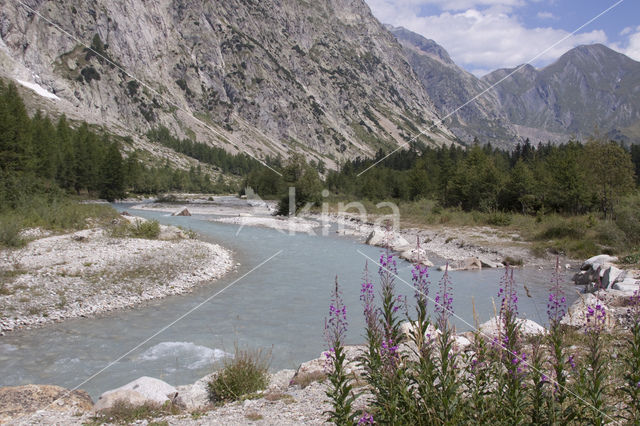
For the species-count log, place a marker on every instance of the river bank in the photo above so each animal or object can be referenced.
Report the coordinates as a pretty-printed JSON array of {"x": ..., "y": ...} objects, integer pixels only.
[
  {"x": 453, "y": 244},
  {"x": 85, "y": 273}
]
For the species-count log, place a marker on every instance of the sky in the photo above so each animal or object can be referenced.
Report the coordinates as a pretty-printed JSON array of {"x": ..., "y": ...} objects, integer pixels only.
[{"x": 484, "y": 35}]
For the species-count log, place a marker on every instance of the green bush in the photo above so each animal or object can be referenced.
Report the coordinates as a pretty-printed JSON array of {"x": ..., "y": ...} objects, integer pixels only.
[
  {"x": 10, "y": 228},
  {"x": 571, "y": 230},
  {"x": 146, "y": 229},
  {"x": 245, "y": 374},
  {"x": 499, "y": 219}
]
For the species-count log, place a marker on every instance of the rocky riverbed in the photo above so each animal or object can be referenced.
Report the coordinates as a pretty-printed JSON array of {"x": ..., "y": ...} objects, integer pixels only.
[{"x": 92, "y": 271}]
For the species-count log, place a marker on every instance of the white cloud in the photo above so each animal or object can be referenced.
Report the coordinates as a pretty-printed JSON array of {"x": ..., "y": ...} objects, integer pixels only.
[
  {"x": 484, "y": 39},
  {"x": 631, "y": 47},
  {"x": 546, "y": 15}
]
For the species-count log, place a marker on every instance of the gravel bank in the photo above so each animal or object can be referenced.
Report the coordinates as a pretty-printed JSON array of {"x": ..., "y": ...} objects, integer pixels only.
[{"x": 89, "y": 272}]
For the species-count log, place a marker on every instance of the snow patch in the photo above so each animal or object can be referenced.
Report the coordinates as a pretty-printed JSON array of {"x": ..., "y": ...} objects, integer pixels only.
[{"x": 38, "y": 89}]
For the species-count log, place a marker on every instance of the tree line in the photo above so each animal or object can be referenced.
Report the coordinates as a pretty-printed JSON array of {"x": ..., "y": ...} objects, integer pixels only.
[
  {"x": 571, "y": 178},
  {"x": 40, "y": 156}
]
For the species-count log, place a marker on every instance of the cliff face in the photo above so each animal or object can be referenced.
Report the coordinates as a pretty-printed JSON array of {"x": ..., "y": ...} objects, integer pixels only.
[
  {"x": 588, "y": 87},
  {"x": 450, "y": 87},
  {"x": 268, "y": 76}
]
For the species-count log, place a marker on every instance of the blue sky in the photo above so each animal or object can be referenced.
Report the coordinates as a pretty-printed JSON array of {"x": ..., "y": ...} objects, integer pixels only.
[{"x": 483, "y": 35}]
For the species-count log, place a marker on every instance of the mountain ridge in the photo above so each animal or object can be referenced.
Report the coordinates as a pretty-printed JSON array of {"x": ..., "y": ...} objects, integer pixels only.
[{"x": 268, "y": 77}]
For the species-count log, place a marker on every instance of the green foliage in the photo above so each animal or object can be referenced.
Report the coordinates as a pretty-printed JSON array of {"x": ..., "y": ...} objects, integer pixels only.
[
  {"x": 572, "y": 178},
  {"x": 10, "y": 228},
  {"x": 245, "y": 374},
  {"x": 240, "y": 164},
  {"x": 149, "y": 229},
  {"x": 124, "y": 413},
  {"x": 306, "y": 181}
]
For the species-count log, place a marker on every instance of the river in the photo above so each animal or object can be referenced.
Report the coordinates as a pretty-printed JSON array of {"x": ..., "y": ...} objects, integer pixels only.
[{"x": 280, "y": 306}]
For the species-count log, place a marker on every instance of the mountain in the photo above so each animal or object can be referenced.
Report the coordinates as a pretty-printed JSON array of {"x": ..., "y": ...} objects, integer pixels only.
[
  {"x": 322, "y": 77},
  {"x": 588, "y": 87},
  {"x": 450, "y": 87}
]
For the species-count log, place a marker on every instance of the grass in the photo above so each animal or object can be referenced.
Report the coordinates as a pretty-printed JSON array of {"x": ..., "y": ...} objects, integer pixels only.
[
  {"x": 53, "y": 213},
  {"x": 243, "y": 375},
  {"x": 149, "y": 230},
  {"x": 124, "y": 412}
]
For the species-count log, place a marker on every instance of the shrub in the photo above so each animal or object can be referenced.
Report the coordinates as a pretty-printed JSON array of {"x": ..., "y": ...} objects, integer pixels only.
[
  {"x": 246, "y": 373},
  {"x": 499, "y": 219},
  {"x": 146, "y": 229},
  {"x": 10, "y": 232},
  {"x": 562, "y": 230}
]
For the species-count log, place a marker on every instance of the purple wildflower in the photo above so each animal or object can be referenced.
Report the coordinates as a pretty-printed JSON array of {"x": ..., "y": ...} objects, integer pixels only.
[
  {"x": 571, "y": 362},
  {"x": 444, "y": 299},
  {"x": 367, "y": 297},
  {"x": 507, "y": 294},
  {"x": 596, "y": 318},
  {"x": 366, "y": 419},
  {"x": 557, "y": 304},
  {"x": 420, "y": 273},
  {"x": 335, "y": 327}
]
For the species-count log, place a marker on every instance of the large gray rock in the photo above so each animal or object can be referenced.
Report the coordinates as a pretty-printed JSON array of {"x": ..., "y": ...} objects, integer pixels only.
[
  {"x": 576, "y": 315},
  {"x": 181, "y": 212},
  {"x": 468, "y": 264},
  {"x": 381, "y": 238},
  {"x": 488, "y": 263},
  {"x": 414, "y": 255},
  {"x": 144, "y": 389},
  {"x": 601, "y": 260},
  {"x": 19, "y": 401},
  {"x": 586, "y": 278},
  {"x": 492, "y": 328},
  {"x": 628, "y": 285},
  {"x": 612, "y": 275},
  {"x": 196, "y": 395},
  {"x": 109, "y": 399}
]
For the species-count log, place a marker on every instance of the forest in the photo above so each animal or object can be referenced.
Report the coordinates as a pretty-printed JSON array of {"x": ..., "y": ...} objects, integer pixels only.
[{"x": 40, "y": 157}]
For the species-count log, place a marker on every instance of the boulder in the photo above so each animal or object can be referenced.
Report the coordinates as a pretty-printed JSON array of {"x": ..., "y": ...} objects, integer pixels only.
[
  {"x": 182, "y": 212},
  {"x": 460, "y": 342},
  {"x": 598, "y": 261},
  {"x": 196, "y": 395},
  {"x": 585, "y": 278},
  {"x": 612, "y": 275},
  {"x": 627, "y": 285},
  {"x": 415, "y": 254},
  {"x": 528, "y": 327},
  {"x": 576, "y": 315},
  {"x": 280, "y": 380},
  {"x": 468, "y": 264},
  {"x": 18, "y": 401},
  {"x": 109, "y": 399},
  {"x": 144, "y": 389},
  {"x": 381, "y": 238},
  {"x": 487, "y": 263}
]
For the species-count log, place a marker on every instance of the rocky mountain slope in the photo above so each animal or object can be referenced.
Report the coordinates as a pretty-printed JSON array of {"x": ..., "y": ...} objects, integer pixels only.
[
  {"x": 450, "y": 87},
  {"x": 588, "y": 87},
  {"x": 323, "y": 77}
]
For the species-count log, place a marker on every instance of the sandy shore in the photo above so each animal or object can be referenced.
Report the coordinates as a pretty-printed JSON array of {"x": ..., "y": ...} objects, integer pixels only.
[{"x": 90, "y": 272}]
